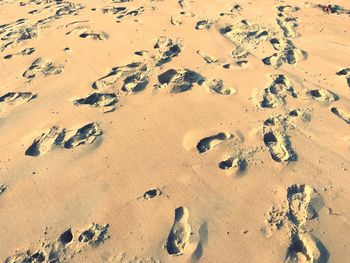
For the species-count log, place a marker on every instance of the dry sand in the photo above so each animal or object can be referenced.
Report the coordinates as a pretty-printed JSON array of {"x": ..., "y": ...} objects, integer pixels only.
[{"x": 174, "y": 131}]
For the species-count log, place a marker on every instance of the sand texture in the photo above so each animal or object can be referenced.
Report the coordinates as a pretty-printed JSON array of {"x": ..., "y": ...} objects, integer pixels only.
[{"x": 149, "y": 131}]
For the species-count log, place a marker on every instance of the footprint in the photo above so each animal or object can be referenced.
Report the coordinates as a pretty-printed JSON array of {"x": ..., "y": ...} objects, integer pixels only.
[
  {"x": 21, "y": 30},
  {"x": 180, "y": 233},
  {"x": 131, "y": 77},
  {"x": 58, "y": 137},
  {"x": 65, "y": 246},
  {"x": 303, "y": 205},
  {"x": 66, "y": 237},
  {"x": 344, "y": 115},
  {"x": 83, "y": 135},
  {"x": 165, "y": 49},
  {"x": 346, "y": 73},
  {"x": 333, "y": 9},
  {"x": 207, "y": 57},
  {"x": 179, "y": 80},
  {"x": 16, "y": 32},
  {"x": 287, "y": 23},
  {"x": 323, "y": 95},
  {"x": 237, "y": 162},
  {"x": 135, "y": 82},
  {"x": 217, "y": 86},
  {"x": 305, "y": 248},
  {"x": 152, "y": 193},
  {"x": 105, "y": 100},
  {"x": 24, "y": 52},
  {"x": 94, "y": 235},
  {"x": 274, "y": 95},
  {"x": 68, "y": 8},
  {"x": 94, "y": 35},
  {"x": 46, "y": 142},
  {"x": 279, "y": 146},
  {"x": 42, "y": 66},
  {"x": 16, "y": 98},
  {"x": 210, "y": 142},
  {"x": 123, "y": 12},
  {"x": 277, "y": 141},
  {"x": 247, "y": 35},
  {"x": 28, "y": 256},
  {"x": 303, "y": 201},
  {"x": 286, "y": 53},
  {"x": 2, "y": 188},
  {"x": 203, "y": 24},
  {"x": 240, "y": 53}
]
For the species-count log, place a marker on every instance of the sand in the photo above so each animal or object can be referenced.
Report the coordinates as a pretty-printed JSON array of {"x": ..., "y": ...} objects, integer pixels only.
[{"x": 174, "y": 131}]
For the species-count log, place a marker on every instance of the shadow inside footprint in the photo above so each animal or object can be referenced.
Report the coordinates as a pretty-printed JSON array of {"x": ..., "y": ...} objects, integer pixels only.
[
  {"x": 210, "y": 142},
  {"x": 306, "y": 248},
  {"x": 66, "y": 237},
  {"x": 179, "y": 80},
  {"x": 234, "y": 162},
  {"x": 280, "y": 147},
  {"x": 180, "y": 233},
  {"x": 154, "y": 192},
  {"x": 95, "y": 235}
]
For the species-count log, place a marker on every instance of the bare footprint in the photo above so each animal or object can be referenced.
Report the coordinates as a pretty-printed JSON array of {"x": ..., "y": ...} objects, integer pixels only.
[
  {"x": 236, "y": 162},
  {"x": 346, "y": 73},
  {"x": 323, "y": 95},
  {"x": 106, "y": 101},
  {"x": 277, "y": 141},
  {"x": 287, "y": 52},
  {"x": 16, "y": 98},
  {"x": 180, "y": 233},
  {"x": 245, "y": 35},
  {"x": 122, "y": 12},
  {"x": 94, "y": 235},
  {"x": 305, "y": 248},
  {"x": 279, "y": 146},
  {"x": 275, "y": 94},
  {"x": 179, "y": 80},
  {"x": 303, "y": 202},
  {"x": 152, "y": 193},
  {"x": 84, "y": 135},
  {"x": 24, "y": 52},
  {"x": 67, "y": 245},
  {"x": 217, "y": 86},
  {"x": 210, "y": 142},
  {"x": 58, "y": 137},
  {"x": 94, "y": 35},
  {"x": 344, "y": 115},
  {"x": 42, "y": 66},
  {"x": 204, "y": 24},
  {"x": 165, "y": 49},
  {"x": 303, "y": 205},
  {"x": 132, "y": 77},
  {"x": 287, "y": 23},
  {"x": 47, "y": 141}
]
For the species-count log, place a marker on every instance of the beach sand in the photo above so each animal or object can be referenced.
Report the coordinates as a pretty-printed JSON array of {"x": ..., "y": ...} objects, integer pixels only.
[{"x": 174, "y": 131}]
